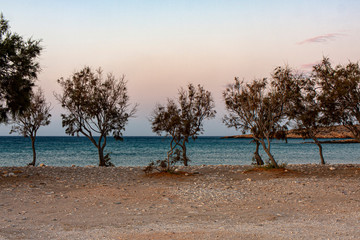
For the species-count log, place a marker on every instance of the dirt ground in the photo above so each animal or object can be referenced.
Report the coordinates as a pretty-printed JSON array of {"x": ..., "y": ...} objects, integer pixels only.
[{"x": 202, "y": 202}]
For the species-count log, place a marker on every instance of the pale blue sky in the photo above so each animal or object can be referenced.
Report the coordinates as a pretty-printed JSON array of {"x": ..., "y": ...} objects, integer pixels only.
[{"x": 163, "y": 45}]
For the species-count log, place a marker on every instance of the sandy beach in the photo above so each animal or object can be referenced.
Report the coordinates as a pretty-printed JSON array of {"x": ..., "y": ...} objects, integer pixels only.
[{"x": 202, "y": 202}]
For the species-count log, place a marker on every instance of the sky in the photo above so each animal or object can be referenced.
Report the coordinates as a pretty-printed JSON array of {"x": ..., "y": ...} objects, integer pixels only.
[{"x": 162, "y": 45}]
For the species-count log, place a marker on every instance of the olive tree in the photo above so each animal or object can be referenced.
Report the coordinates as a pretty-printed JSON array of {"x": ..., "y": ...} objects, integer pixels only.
[
  {"x": 35, "y": 116},
  {"x": 183, "y": 120},
  {"x": 96, "y": 106},
  {"x": 339, "y": 93},
  {"x": 18, "y": 70}
]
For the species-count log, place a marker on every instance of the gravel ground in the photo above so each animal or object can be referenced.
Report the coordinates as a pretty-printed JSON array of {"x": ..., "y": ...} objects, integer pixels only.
[{"x": 200, "y": 202}]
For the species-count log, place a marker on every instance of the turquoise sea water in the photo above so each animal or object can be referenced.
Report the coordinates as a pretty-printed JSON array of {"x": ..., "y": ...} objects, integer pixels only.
[{"x": 139, "y": 151}]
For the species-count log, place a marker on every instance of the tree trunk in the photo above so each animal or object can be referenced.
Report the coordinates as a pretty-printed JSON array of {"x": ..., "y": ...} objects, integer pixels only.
[
  {"x": 183, "y": 146},
  {"x": 34, "y": 151},
  {"x": 169, "y": 154},
  {"x": 257, "y": 157},
  {"x": 267, "y": 150},
  {"x": 101, "y": 157},
  {"x": 320, "y": 151},
  {"x": 354, "y": 130}
]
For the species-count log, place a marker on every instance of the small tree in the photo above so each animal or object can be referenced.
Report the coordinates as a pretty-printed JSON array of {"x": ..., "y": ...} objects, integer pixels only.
[
  {"x": 252, "y": 108},
  {"x": 18, "y": 70},
  {"x": 167, "y": 119},
  {"x": 183, "y": 121},
  {"x": 340, "y": 94},
  {"x": 196, "y": 105},
  {"x": 35, "y": 116},
  {"x": 95, "y": 106}
]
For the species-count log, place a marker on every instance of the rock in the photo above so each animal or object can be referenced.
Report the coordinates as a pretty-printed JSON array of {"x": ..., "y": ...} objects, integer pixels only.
[
  {"x": 332, "y": 168},
  {"x": 90, "y": 166}
]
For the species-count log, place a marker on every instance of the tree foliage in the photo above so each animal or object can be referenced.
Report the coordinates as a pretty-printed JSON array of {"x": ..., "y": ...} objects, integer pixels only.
[
  {"x": 304, "y": 108},
  {"x": 256, "y": 108},
  {"x": 18, "y": 70},
  {"x": 35, "y": 116},
  {"x": 340, "y": 93},
  {"x": 96, "y": 107},
  {"x": 183, "y": 120}
]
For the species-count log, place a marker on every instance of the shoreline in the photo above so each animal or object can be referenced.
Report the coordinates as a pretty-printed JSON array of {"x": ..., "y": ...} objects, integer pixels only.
[
  {"x": 303, "y": 201},
  {"x": 182, "y": 167}
]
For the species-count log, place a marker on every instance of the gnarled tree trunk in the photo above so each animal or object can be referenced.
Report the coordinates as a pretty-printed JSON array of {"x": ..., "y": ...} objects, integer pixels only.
[
  {"x": 257, "y": 156},
  {"x": 267, "y": 150}
]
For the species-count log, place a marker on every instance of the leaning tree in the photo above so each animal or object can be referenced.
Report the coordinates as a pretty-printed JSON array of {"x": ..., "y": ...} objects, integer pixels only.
[
  {"x": 256, "y": 108},
  {"x": 183, "y": 120},
  {"x": 35, "y": 116},
  {"x": 303, "y": 107},
  {"x": 339, "y": 93},
  {"x": 96, "y": 107},
  {"x": 18, "y": 70}
]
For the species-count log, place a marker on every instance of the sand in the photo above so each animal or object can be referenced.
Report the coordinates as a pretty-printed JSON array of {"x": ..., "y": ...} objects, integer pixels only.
[{"x": 208, "y": 202}]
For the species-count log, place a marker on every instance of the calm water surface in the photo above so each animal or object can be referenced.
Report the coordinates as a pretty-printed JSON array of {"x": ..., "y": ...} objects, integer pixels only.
[{"x": 139, "y": 151}]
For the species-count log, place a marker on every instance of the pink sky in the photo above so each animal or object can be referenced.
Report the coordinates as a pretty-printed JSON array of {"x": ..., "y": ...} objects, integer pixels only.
[{"x": 163, "y": 45}]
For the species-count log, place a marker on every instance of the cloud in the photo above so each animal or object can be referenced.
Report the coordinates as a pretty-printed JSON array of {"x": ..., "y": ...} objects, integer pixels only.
[
  {"x": 322, "y": 38},
  {"x": 308, "y": 66}
]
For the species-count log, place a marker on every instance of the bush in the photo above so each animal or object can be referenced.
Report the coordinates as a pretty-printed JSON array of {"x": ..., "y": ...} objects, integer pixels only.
[
  {"x": 269, "y": 165},
  {"x": 166, "y": 165},
  {"x": 107, "y": 161}
]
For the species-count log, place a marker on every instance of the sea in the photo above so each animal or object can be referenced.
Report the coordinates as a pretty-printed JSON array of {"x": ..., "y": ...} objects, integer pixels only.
[{"x": 140, "y": 151}]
